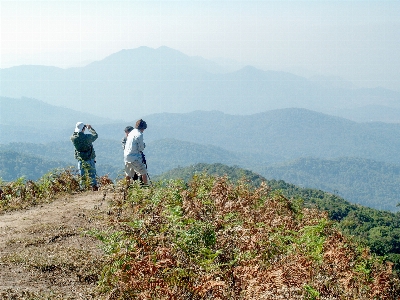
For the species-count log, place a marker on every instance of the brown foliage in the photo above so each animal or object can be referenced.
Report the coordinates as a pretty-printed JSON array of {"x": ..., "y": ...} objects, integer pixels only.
[
  {"x": 21, "y": 194},
  {"x": 215, "y": 240}
]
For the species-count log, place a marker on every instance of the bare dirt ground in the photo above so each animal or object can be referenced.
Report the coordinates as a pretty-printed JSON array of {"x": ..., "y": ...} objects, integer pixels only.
[{"x": 46, "y": 253}]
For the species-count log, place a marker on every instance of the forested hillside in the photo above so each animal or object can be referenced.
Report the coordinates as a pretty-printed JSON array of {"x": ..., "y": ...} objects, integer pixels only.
[
  {"x": 380, "y": 230},
  {"x": 14, "y": 165},
  {"x": 109, "y": 158},
  {"x": 367, "y": 182},
  {"x": 234, "y": 173}
]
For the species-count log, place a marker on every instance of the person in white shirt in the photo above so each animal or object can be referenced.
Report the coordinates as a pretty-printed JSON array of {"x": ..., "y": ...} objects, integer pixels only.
[{"x": 133, "y": 151}]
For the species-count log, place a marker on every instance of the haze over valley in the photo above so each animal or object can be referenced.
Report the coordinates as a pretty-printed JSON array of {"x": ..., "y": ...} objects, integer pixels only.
[
  {"x": 286, "y": 90},
  {"x": 137, "y": 82},
  {"x": 358, "y": 161}
]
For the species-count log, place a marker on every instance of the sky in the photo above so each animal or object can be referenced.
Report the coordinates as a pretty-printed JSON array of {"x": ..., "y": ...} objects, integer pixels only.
[{"x": 356, "y": 40}]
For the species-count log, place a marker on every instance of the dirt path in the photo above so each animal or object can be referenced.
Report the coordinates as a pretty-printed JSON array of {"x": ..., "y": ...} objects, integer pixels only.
[{"x": 45, "y": 253}]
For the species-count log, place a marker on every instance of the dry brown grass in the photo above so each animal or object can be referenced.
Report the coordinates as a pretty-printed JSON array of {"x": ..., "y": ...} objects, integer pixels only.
[{"x": 21, "y": 194}]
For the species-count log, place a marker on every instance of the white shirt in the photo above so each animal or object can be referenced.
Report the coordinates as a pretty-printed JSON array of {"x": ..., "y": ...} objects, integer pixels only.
[{"x": 134, "y": 145}]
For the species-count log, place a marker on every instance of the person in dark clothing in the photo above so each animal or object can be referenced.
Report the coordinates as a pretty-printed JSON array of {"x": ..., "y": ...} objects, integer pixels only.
[
  {"x": 126, "y": 130},
  {"x": 84, "y": 152}
]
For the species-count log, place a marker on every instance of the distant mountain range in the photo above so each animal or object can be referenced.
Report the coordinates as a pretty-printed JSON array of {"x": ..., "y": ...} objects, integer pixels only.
[
  {"x": 355, "y": 160},
  {"x": 281, "y": 135},
  {"x": 134, "y": 83},
  {"x": 366, "y": 182},
  {"x": 362, "y": 181},
  {"x": 32, "y": 120},
  {"x": 273, "y": 136}
]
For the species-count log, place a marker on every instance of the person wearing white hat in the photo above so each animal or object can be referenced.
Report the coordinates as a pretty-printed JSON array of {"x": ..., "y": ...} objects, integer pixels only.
[{"x": 84, "y": 152}]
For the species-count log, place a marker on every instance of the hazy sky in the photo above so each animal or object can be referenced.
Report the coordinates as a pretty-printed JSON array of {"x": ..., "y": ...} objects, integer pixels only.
[{"x": 357, "y": 40}]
